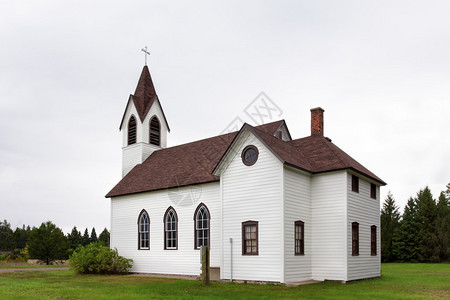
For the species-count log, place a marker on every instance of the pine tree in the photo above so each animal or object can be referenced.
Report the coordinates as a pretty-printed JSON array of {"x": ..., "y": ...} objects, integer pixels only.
[
  {"x": 104, "y": 237},
  {"x": 443, "y": 227},
  {"x": 85, "y": 240},
  {"x": 20, "y": 237},
  {"x": 389, "y": 220},
  {"x": 6, "y": 236},
  {"x": 93, "y": 238},
  {"x": 48, "y": 243},
  {"x": 426, "y": 216},
  {"x": 406, "y": 241},
  {"x": 74, "y": 238}
]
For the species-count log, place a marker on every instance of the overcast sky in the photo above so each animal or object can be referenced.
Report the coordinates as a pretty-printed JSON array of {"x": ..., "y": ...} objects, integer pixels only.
[{"x": 380, "y": 69}]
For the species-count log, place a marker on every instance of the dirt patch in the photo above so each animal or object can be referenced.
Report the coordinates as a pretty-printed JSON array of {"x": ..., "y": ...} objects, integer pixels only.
[{"x": 32, "y": 269}]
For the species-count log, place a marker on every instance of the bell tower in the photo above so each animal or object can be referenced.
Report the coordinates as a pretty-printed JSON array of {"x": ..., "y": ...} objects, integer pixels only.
[{"x": 144, "y": 126}]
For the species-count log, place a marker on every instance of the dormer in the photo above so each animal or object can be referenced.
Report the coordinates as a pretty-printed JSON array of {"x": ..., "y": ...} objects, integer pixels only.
[{"x": 282, "y": 132}]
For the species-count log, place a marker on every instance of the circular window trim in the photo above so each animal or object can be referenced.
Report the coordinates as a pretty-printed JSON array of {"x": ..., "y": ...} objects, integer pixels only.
[{"x": 245, "y": 151}]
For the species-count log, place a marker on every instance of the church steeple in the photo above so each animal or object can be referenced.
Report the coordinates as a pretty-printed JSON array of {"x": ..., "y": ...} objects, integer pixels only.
[
  {"x": 144, "y": 126},
  {"x": 145, "y": 93}
]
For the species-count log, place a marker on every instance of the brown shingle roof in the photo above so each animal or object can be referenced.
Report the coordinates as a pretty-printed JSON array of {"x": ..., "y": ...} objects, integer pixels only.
[
  {"x": 194, "y": 162},
  {"x": 144, "y": 96},
  {"x": 325, "y": 156},
  {"x": 179, "y": 165}
]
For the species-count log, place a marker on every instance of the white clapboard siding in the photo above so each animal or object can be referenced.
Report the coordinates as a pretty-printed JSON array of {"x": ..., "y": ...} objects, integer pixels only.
[
  {"x": 366, "y": 211},
  {"x": 186, "y": 260},
  {"x": 155, "y": 110},
  {"x": 328, "y": 210},
  {"x": 143, "y": 128},
  {"x": 297, "y": 207},
  {"x": 137, "y": 153},
  {"x": 252, "y": 193}
]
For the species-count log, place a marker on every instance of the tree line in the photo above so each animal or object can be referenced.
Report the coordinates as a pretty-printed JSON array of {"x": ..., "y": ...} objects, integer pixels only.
[
  {"x": 46, "y": 242},
  {"x": 421, "y": 233}
]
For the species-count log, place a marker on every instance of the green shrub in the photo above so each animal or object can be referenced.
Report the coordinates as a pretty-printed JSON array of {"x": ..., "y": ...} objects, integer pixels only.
[
  {"x": 15, "y": 259},
  {"x": 98, "y": 259},
  {"x": 15, "y": 256},
  {"x": 3, "y": 257}
]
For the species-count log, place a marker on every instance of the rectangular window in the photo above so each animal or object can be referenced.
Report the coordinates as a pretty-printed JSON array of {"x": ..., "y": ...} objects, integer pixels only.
[
  {"x": 299, "y": 242},
  {"x": 355, "y": 184},
  {"x": 355, "y": 238},
  {"x": 373, "y": 240},
  {"x": 373, "y": 191},
  {"x": 250, "y": 238}
]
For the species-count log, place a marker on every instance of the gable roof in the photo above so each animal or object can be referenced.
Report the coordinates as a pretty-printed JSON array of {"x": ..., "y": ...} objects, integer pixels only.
[
  {"x": 313, "y": 154},
  {"x": 324, "y": 156},
  {"x": 144, "y": 97},
  {"x": 178, "y": 166},
  {"x": 195, "y": 162}
]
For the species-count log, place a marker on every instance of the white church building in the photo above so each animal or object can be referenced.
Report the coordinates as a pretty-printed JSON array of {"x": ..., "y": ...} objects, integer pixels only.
[{"x": 270, "y": 207}]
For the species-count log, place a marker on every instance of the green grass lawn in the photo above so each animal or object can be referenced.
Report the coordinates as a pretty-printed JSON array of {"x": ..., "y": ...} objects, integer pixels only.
[{"x": 398, "y": 281}]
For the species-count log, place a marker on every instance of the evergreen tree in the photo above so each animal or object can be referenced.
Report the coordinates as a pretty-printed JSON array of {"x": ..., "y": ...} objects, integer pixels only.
[
  {"x": 104, "y": 237},
  {"x": 426, "y": 216},
  {"x": 21, "y": 237},
  {"x": 74, "y": 238},
  {"x": 406, "y": 241},
  {"x": 6, "y": 236},
  {"x": 443, "y": 227},
  {"x": 47, "y": 243},
  {"x": 93, "y": 238},
  {"x": 389, "y": 220},
  {"x": 85, "y": 240}
]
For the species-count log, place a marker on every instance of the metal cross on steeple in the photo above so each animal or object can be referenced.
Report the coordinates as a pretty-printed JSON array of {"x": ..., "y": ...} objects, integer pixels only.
[{"x": 145, "y": 53}]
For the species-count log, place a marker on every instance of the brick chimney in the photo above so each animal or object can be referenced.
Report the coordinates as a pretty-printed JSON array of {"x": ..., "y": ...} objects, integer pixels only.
[{"x": 317, "y": 121}]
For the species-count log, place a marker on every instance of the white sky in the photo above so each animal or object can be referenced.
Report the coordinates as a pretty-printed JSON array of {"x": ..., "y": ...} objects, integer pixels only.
[{"x": 380, "y": 69}]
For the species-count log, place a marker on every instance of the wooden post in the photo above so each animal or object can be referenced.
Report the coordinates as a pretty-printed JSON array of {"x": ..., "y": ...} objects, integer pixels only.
[{"x": 205, "y": 265}]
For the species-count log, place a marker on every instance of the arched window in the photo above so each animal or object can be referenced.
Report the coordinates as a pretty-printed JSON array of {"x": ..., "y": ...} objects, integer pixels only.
[
  {"x": 155, "y": 132},
  {"x": 132, "y": 131},
  {"x": 170, "y": 229},
  {"x": 143, "y": 230},
  {"x": 201, "y": 226}
]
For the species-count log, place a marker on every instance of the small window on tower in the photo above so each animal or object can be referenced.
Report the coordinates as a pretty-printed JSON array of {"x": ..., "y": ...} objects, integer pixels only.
[
  {"x": 299, "y": 241},
  {"x": 373, "y": 191},
  {"x": 355, "y": 239},
  {"x": 155, "y": 132},
  {"x": 132, "y": 131},
  {"x": 373, "y": 240},
  {"x": 355, "y": 184}
]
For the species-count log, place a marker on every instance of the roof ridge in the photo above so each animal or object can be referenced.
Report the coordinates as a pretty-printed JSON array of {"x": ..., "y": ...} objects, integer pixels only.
[
  {"x": 197, "y": 141},
  {"x": 310, "y": 161},
  {"x": 337, "y": 153},
  {"x": 289, "y": 146},
  {"x": 225, "y": 134}
]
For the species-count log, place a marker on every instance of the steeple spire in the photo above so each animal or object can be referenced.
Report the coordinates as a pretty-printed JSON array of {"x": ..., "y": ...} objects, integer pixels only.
[{"x": 145, "y": 93}]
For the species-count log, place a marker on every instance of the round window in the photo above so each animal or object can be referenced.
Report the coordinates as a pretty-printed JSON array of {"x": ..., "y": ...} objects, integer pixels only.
[{"x": 249, "y": 155}]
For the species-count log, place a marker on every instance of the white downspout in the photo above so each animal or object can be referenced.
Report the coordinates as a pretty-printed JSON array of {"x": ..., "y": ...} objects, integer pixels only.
[{"x": 231, "y": 259}]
